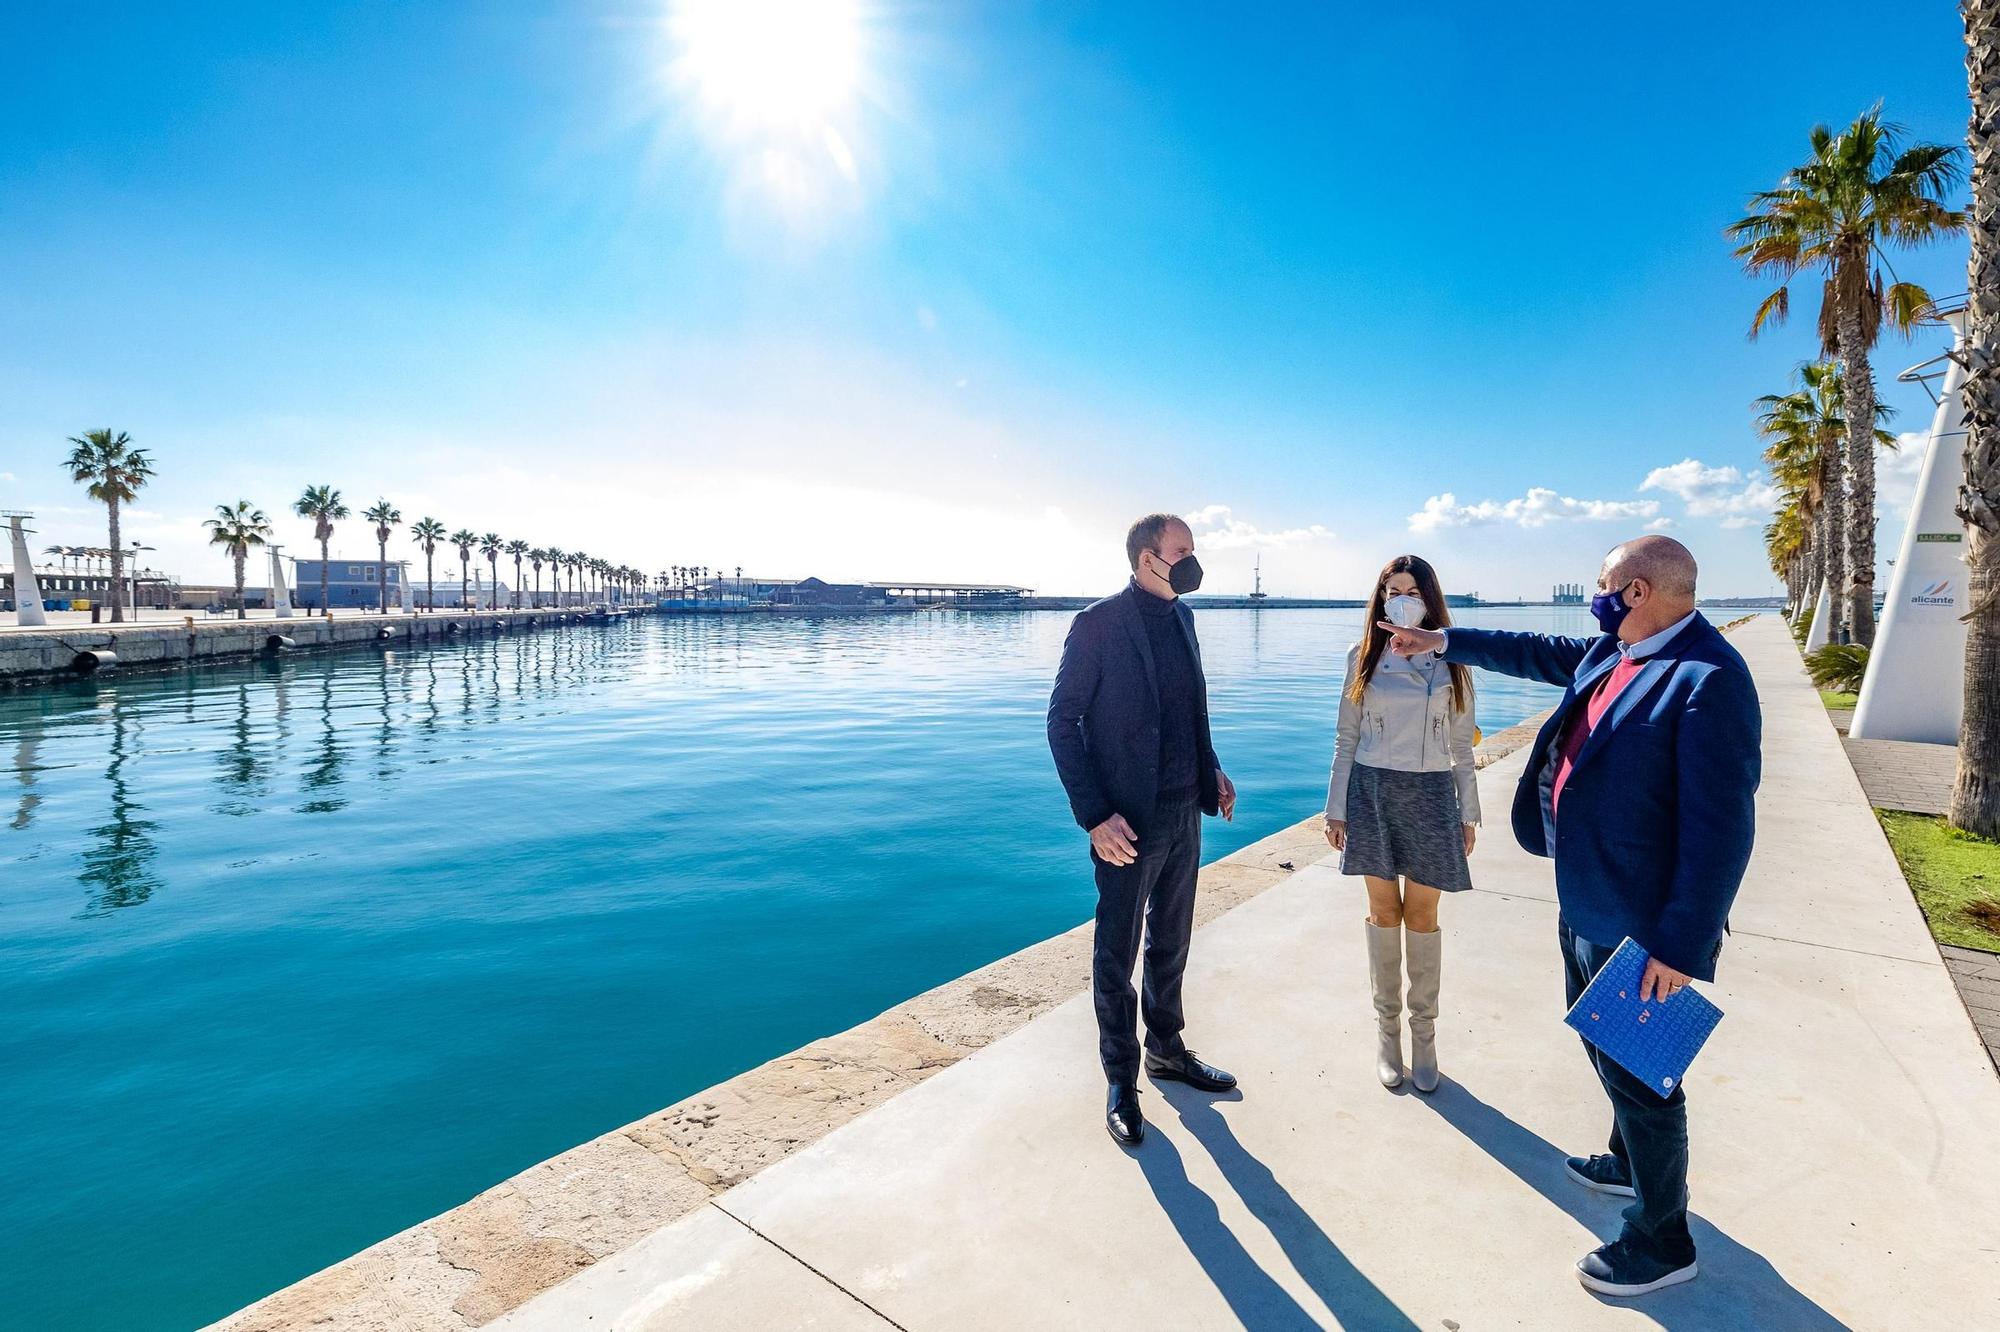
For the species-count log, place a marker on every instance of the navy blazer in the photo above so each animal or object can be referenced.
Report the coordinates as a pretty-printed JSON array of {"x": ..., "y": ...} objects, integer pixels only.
[
  {"x": 1661, "y": 798},
  {"x": 1104, "y": 714}
]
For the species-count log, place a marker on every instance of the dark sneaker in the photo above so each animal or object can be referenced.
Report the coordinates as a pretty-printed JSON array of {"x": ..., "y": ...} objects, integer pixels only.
[
  {"x": 1605, "y": 1174},
  {"x": 1618, "y": 1269}
]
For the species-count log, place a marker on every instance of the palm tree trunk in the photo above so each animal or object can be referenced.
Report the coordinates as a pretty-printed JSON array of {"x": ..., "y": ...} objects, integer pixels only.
[
  {"x": 1975, "y": 796},
  {"x": 1860, "y": 377},
  {"x": 117, "y": 564},
  {"x": 430, "y": 584},
  {"x": 325, "y": 606},
  {"x": 242, "y": 553},
  {"x": 464, "y": 580},
  {"x": 382, "y": 573},
  {"x": 1833, "y": 542}
]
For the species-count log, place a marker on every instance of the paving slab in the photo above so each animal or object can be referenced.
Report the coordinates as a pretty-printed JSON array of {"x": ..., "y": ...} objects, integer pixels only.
[
  {"x": 707, "y": 1272},
  {"x": 1845, "y": 1163}
]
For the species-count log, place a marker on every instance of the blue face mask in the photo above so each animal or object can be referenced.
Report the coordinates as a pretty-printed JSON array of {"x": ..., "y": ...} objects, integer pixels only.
[{"x": 1610, "y": 609}]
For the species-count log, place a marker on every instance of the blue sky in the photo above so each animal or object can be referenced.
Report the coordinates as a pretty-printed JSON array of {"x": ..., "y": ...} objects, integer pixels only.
[{"x": 1020, "y": 273}]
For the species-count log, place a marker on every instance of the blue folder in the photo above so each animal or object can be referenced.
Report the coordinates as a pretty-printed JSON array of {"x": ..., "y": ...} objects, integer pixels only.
[{"x": 1654, "y": 1042}]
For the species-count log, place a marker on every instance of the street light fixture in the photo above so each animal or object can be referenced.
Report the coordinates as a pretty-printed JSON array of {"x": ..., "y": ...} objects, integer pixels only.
[{"x": 136, "y": 548}]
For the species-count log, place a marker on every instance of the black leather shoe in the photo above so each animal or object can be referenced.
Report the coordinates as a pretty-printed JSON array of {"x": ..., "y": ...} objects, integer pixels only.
[
  {"x": 1184, "y": 1067},
  {"x": 1121, "y": 1115}
]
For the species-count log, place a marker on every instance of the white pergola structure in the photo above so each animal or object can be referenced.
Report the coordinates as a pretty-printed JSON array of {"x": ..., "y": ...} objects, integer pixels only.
[
  {"x": 27, "y": 592},
  {"x": 1915, "y": 686},
  {"x": 281, "y": 596}
]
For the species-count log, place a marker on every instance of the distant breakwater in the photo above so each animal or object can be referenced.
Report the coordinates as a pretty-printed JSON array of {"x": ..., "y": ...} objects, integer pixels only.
[{"x": 62, "y": 652}]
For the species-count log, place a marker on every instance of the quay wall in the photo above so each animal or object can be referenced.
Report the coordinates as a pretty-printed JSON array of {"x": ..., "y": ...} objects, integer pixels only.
[{"x": 39, "y": 656}]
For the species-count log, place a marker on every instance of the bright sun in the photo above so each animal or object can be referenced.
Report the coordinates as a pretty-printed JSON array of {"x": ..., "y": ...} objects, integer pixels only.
[{"x": 769, "y": 67}]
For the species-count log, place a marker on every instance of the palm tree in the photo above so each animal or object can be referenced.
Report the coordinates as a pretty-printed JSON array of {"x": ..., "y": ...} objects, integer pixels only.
[
  {"x": 1975, "y": 795},
  {"x": 115, "y": 471},
  {"x": 1785, "y": 541},
  {"x": 323, "y": 505},
  {"x": 1836, "y": 213},
  {"x": 238, "y": 526},
  {"x": 556, "y": 556},
  {"x": 465, "y": 539},
  {"x": 490, "y": 546},
  {"x": 1805, "y": 429},
  {"x": 517, "y": 549},
  {"x": 536, "y": 555},
  {"x": 385, "y": 516},
  {"x": 428, "y": 532},
  {"x": 575, "y": 561}
]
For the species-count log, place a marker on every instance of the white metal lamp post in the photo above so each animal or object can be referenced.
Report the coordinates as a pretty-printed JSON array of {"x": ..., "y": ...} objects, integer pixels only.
[{"x": 136, "y": 548}]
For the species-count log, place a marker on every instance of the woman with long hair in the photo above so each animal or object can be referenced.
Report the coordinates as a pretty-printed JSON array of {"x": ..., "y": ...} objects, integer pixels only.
[{"x": 1402, "y": 804}]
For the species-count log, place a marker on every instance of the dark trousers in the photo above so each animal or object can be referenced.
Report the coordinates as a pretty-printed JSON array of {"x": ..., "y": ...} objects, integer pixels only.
[
  {"x": 1648, "y": 1133},
  {"x": 1152, "y": 897}
]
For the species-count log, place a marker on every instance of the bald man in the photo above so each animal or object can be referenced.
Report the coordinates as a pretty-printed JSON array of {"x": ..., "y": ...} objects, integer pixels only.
[{"x": 1641, "y": 786}]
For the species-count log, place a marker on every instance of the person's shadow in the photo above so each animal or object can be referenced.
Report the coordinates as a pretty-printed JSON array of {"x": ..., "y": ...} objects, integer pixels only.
[
  {"x": 1255, "y": 1297},
  {"x": 1737, "y": 1286}
]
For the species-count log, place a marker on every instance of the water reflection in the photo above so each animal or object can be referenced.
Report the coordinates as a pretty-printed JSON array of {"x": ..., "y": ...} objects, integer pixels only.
[
  {"x": 26, "y": 765},
  {"x": 323, "y": 777},
  {"x": 242, "y": 769},
  {"x": 117, "y": 865}
]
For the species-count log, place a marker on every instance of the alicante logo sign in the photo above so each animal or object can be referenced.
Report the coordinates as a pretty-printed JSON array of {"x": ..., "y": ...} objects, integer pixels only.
[{"x": 1937, "y": 594}]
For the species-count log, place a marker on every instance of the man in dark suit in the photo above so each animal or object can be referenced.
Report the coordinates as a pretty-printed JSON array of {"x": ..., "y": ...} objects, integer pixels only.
[
  {"x": 1642, "y": 787},
  {"x": 1128, "y": 724}
]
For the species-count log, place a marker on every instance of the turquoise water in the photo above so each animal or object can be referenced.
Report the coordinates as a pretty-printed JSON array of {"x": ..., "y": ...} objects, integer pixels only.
[{"x": 295, "y": 954}]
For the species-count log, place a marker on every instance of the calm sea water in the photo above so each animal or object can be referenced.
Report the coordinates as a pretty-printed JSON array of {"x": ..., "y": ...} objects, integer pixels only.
[{"x": 293, "y": 955}]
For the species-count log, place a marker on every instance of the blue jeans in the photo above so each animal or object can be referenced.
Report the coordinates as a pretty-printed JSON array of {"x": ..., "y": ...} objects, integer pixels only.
[{"x": 1648, "y": 1134}]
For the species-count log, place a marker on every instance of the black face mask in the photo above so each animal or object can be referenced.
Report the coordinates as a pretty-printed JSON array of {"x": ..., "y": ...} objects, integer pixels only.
[{"x": 1184, "y": 575}]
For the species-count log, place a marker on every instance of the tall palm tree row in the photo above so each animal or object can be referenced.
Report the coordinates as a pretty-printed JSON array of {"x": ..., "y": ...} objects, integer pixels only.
[
  {"x": 1806, "y": 431},
  {"x": 324, "y": 506},
  {"x": 385, "y": 516},
  {"x": 114, "y": 471},
  {"x": 1836, "y": 214},
  {"x": 238, "y": 527},
  {"x": 1975, "y": 795},
  {"x": 428, "y": 532}
]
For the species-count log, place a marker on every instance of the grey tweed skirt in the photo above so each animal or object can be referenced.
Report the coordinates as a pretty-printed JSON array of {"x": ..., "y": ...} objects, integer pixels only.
[{"x": 1405, "y": 824}]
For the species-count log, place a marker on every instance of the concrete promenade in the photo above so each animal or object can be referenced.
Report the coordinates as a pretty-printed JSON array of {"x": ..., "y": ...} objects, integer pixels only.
[{"x": 1846, "y": 1160}]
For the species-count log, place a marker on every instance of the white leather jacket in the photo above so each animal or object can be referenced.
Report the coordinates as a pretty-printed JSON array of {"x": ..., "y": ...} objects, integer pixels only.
[{"x": 1404, "y": 721}]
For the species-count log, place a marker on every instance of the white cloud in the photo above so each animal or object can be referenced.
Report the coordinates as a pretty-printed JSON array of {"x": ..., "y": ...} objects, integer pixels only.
[
  {"x": 1659, "y": 524},
  {"x": 1716, "y": 492},
  {"x": 1538, "y": 508},
  {"x": 1896, "y": 472},
  {"x": 8, "y": 478},
  {"x": 1217, "y": 527}
]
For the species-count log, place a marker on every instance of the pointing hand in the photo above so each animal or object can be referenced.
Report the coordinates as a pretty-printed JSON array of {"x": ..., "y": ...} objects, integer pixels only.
[{"x": 1409, "y": 642}]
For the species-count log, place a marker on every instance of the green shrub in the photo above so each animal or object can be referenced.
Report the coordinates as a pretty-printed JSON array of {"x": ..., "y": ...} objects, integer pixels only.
[
  {"x": 1802, "y": 626},
  {"x": 1838, "y": 666}
]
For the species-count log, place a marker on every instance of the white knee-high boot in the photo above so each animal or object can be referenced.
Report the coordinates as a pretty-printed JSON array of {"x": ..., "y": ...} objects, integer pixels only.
[
  {"x": 1385, "y": 969},
  {"x": 1425, "y": 956}
]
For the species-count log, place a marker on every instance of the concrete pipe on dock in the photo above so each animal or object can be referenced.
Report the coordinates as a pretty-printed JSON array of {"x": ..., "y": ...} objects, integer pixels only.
[
  {"x": 276, "y": 643},
  {"x": 92, "y": 660}
]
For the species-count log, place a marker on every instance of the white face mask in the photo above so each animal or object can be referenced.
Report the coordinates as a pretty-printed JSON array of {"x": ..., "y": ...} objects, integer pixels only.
[{"x": 1405, "y": 610}]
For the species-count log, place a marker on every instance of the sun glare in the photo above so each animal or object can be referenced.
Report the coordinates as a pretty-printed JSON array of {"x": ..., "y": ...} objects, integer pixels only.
[{"x": 769, "y": 67}]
